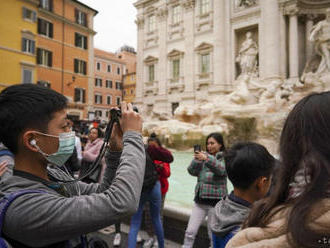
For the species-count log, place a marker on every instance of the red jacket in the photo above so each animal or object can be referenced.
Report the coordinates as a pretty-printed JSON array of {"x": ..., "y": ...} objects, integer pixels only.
[{"x": 164, "y": 172}]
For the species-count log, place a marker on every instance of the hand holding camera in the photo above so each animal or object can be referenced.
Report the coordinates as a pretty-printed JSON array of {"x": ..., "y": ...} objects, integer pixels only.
[
  {"x": 198, "y": 154},
  {"x": 126, "y": 119},
  {"x": 130, "y": 119}
]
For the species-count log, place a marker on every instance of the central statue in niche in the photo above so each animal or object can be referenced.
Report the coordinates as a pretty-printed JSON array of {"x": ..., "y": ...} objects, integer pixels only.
[{"x": 247, "y": 56}]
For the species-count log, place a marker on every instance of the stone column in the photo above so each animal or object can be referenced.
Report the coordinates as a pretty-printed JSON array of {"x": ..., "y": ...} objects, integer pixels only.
[
  {"x": 284, "y": 55},
  {"x": 270, "y": 30},
  {"x": 219, "y": 58},
  {"x": 140, "y": 77},
  {"x": 161, "y": 103},
  {"x": 189, "y": 25},
  {"x": 309, "y": 44},
  {"x": 293, "y": 46}
]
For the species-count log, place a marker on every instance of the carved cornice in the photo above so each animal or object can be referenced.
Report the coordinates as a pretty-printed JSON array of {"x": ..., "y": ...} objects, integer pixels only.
[
  {"x": 189, "y": 4},
  {"x": 140, "y": 22},
  {"x": 204, "y": 47},
  {"x": 175, "y": 53},
  {"x": 144, "y": 3},
  {"x": 303, "y": 7},
  {"x": 162, "y": 13},
  {"x": 150, "y": 60}
]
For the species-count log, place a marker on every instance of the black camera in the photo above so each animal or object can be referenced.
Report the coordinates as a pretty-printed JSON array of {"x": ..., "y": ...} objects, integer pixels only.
[
  {"x": 197, "y": 148},
  {"x": 116, "y": 113}
]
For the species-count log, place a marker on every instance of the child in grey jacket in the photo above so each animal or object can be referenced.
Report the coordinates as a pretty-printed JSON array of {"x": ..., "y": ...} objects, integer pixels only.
[{"x": 249, "y": 167}]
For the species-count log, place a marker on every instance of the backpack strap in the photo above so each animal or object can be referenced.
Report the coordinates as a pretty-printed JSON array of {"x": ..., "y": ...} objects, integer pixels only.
[
  {"x": 6, "y": 152},
  {"x": 8, "y": 199}
]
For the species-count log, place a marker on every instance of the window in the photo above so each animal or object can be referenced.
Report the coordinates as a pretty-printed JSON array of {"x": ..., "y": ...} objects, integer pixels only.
[
  {"x": 28, "y": 45},
  {"x": 29, "y": 14},
  {"x": 45, "y": 28},
  {"x": 118, "y": 86},
  {"x": 152, "y": 23},
  {"x": 81, "y": 17},
  {"x": 98, "y": 99},
  {"x": 79, "y": 95},
  {"x": 80, "y": 66},
  {"x": 118, "y": 100},
  {"x": 44, "y": 83},
  {"x": 80, "y": 41},
  {"x": 98, "y": 113},
  {"x": 46, "y": 4},
  {"x": 98, "y": 66},
  {"x": 204, "y": 7},
  {"x": 109, "y": 68},
  {"x": 205, "y": 63},
  {"x": 151, "y": 73},
  {"x": 98, "y": 82},
  {"x": 27, "y": 76},
  {"x": 109, "y": 100},
  {"x": 176, "y": 69},
  {"x": 44, "y": 57},
  {"x": 108, "y": 84},
  {"x": 176, "y": 18},
  {"x": 118, "y": 70}
]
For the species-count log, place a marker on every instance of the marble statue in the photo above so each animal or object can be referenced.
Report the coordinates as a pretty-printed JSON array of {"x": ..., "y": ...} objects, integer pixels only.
[
  {"x": 247, "y": 56},
  {"x": 246, "y": 3},
  {"x": 242, "y": 95},
  {"x": 320, "y": 34}
]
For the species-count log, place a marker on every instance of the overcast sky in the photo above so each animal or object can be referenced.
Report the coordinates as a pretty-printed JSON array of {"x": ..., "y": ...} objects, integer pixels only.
[{"x": 114, "y": 23}]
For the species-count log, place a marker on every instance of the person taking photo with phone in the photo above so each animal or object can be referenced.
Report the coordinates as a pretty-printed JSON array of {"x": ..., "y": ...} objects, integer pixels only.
[{"x": 209, "y": 168}]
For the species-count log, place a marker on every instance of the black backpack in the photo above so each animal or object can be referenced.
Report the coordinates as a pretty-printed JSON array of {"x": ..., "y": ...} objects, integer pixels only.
[{"x": 150, "y": 175}]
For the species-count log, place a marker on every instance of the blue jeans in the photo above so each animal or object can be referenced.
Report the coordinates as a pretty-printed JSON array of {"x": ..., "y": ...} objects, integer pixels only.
[{"x": 154, "y": 198}]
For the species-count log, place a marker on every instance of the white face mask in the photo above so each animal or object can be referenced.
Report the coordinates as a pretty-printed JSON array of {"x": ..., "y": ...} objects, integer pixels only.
[{"x": 66, "y": 143}]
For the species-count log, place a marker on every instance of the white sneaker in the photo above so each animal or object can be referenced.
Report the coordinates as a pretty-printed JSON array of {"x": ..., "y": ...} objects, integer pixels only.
[
  {"x": 148, "y": 243},
  {"x": 155, "y": 244},
  {"x": 117, "y": 240},
  {"x": 138, "y": 238}
]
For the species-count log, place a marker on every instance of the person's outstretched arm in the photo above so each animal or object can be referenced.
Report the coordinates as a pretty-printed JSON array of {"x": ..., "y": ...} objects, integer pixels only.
[{"x": 39, "y": 219}]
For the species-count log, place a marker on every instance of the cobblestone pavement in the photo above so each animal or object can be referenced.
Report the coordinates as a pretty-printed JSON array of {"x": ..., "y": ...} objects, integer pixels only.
[{"x": 109, "y": 235}]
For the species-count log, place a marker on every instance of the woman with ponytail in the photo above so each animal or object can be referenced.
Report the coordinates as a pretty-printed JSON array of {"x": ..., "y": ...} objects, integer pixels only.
[{"x": 297, "y": 213}]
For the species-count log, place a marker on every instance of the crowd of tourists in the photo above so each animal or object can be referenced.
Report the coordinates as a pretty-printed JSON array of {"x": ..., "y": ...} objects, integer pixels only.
[{"x": 55, "y": 190}]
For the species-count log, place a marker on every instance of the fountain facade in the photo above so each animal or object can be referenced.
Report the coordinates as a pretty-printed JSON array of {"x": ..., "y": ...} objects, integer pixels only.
[{"x": 236, "y": 67}]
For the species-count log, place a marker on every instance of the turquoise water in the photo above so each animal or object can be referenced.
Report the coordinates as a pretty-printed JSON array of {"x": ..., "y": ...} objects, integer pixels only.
[{"x": 182, "y": 184}]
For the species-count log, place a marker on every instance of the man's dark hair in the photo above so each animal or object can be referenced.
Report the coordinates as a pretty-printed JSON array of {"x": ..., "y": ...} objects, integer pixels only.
[
  {"x": 26, "y": 106},
  {"x": 247, "y": 161}
]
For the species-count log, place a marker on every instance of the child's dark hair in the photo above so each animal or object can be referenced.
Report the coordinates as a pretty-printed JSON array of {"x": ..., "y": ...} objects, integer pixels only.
[
  {"x": 26, "y": 106},
  {"x": 247, "y": 161},
  {"x": 153, "y": 137},
  {"x": 218, "y": 137}
]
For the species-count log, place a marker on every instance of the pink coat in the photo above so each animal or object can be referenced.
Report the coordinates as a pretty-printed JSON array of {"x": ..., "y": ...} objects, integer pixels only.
[{"x": 91, "y": 151}]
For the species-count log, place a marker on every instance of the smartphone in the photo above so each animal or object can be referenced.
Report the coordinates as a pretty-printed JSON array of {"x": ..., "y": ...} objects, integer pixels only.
[{"x": 197, "y": 148}]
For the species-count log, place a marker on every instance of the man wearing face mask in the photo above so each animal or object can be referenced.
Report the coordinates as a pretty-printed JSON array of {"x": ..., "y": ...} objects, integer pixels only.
[{"x": 34, "y": 128}]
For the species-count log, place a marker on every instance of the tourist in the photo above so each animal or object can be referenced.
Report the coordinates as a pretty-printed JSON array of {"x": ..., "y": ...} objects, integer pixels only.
[
  {"x": 151, "y": 193},
  {"x": 6, "y": 161},
  {"x": 297, "y": 213},
  {"x": 209, "y": 168},
  {"x": 90, "y": 154},
  {"x": 249, "y": 167},
  {"x": 33, "y": 123},
  {"x": 164, "y": 172}
]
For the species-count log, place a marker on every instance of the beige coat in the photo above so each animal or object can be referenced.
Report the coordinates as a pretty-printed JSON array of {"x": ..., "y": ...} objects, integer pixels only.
[{"x": 274, "y": 235}]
